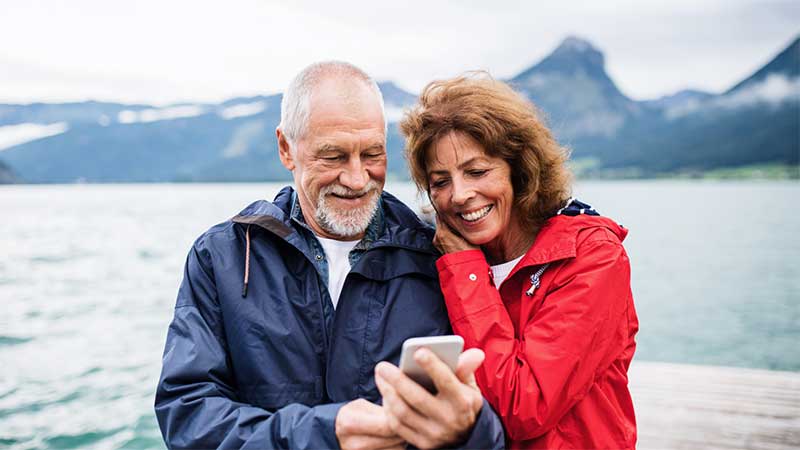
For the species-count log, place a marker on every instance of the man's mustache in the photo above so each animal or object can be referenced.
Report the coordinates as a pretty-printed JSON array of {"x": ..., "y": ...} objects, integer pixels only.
[{"x": 342, "y": 191}]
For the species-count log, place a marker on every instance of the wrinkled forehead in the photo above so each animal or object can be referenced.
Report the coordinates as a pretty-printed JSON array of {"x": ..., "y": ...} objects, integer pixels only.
[{"x": 452, "y": 149}]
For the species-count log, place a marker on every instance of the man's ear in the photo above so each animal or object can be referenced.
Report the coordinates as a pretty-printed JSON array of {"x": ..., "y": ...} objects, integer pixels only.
[{"x": 284, "y": 150}]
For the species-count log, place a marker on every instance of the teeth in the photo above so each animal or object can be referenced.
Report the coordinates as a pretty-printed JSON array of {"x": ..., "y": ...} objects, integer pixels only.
[{"x": 479, "y": 214}]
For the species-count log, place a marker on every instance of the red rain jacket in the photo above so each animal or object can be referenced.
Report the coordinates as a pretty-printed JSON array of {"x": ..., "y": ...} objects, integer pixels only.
[{"x": 557, "y": 360}]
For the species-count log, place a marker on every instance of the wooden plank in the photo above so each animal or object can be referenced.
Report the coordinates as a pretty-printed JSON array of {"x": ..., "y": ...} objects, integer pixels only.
[{"x": 681, "y": 406}]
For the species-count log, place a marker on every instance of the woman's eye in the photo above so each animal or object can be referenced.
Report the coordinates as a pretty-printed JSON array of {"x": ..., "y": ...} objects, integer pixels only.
[
  {"x": 477, "y": 172},
  {"x": 439, "y": 183}
]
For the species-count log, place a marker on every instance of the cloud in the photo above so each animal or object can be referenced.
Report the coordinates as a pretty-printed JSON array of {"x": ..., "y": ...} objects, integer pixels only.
[
  {"x": 775, "y": 89},
  {"x": 772, "y": 91}
]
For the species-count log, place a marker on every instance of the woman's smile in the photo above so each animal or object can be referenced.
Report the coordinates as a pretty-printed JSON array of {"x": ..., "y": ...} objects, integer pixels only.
[{"x": 475, "y": 216}]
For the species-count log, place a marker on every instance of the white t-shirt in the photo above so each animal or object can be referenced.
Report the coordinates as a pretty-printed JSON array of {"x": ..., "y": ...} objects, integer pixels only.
[
  {"x": 337, "y": 253},
  {"x": 500, "y": 272}
]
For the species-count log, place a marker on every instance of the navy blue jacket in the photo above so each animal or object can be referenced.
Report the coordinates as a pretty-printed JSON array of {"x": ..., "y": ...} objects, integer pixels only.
[{"x": 270, "y": 367}]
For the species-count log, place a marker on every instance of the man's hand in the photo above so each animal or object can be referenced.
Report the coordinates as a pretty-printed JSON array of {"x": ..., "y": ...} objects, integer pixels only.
[
  {"x": 448, "y": 240},
  {"x": 361, "y": 425},
  {"x": 428, "y": 421}
]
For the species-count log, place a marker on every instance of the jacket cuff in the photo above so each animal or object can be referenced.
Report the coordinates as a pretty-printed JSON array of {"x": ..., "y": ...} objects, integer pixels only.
[
  {"x": 466, "y": 283},
  {"x": 487, "y": 432},
  {"x": 448, "y": 260},
  {"x": 296, "y": 426},
  {"x": 326, "y": 420}
]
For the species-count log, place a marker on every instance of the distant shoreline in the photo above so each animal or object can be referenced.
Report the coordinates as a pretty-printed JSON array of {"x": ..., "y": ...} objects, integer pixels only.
[{"x": 759, "y": 172}]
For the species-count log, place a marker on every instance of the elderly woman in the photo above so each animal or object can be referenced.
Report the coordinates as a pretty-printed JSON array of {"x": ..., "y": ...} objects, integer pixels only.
[{"x": 539, "y": 281}]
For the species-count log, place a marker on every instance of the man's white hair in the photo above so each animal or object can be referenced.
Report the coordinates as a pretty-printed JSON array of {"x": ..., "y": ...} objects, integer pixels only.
[{"x": 295, "y": 105}]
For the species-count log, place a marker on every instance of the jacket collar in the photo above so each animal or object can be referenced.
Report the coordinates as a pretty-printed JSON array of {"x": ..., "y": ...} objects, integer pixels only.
[
  {"x": 558, "y": 238},
  {"x": 395, "y": 225}
]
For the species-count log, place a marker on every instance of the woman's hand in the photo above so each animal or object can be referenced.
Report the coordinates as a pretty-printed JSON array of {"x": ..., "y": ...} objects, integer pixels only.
[{"x": 448, "y": 240}]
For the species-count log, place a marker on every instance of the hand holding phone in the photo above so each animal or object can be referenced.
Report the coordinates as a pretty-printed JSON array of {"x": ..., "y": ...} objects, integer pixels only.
[
  {"x": 449, "y": 414},
  {"x": 446, "y": 348}
]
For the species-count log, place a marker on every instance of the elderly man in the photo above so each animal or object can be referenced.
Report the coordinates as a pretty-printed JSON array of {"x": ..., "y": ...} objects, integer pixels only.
[{"x": 285, "y": 310}]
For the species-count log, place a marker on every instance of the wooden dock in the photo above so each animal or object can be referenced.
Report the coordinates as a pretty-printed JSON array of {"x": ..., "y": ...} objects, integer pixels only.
[{"x": 706, "y": 407}]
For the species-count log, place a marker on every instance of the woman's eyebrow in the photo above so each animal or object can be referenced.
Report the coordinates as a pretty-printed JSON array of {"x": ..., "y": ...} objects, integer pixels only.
[
  {"x": 460, "y": 166},
  {"x": 469, "y": 161},
  {"x": 438, "y": 172}
]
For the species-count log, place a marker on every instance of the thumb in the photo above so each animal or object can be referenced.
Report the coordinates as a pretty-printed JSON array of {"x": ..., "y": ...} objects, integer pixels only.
[{"x": 468, "y": 362}]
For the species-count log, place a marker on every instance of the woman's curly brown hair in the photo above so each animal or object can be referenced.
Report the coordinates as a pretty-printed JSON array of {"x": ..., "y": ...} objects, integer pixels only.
[{"x": 506, "y": 124}]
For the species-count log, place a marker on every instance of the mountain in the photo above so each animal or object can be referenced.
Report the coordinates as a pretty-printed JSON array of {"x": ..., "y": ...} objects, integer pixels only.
[
  {"x": 7, "y": 176},
  {"x": 756, "y": 121},
  {"x": 230, "y": 141},
  {"x": 48, "y": 113},
  {"x": 680, "y": 100},
  {"x": 395, "y": 95},
  {"x": 786, "y": 64},
  {"x": 94, "y": 142},
  {"x": 573, "y": 89}
]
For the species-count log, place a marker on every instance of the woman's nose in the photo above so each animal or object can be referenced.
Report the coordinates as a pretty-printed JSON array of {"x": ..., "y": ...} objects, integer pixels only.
[{"x": 462, "y": 192}]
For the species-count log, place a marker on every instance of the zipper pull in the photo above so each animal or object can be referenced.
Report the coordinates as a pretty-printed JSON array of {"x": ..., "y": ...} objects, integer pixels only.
[{"x": 535, "y": 280}]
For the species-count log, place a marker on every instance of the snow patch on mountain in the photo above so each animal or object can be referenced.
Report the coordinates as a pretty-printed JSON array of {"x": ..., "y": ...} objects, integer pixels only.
[
  {"x": 153, "y": 115},
  {"x": 242, "y": 110},
  {"x": 246, "y": 136},
  {"x": 12, "y": 135}
]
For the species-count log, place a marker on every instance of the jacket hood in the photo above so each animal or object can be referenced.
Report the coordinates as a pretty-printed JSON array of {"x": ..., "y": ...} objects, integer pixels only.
[{"x": 558, "y": 238}]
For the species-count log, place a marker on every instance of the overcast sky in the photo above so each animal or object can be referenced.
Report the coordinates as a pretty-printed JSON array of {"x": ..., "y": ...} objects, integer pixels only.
[{"x": 162, "y": 51}]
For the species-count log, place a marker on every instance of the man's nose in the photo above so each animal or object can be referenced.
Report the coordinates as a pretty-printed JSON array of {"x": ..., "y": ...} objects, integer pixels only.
[{"x": 355, "y": 175}]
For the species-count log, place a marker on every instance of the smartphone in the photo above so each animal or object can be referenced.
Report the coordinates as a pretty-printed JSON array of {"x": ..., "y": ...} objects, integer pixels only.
[{"x": 447, "y": 348}]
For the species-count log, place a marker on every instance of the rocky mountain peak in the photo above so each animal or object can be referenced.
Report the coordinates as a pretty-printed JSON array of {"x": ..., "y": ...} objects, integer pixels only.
[
  {"x": 575, "y": 44},
  {"x": 573, "y": 55}
]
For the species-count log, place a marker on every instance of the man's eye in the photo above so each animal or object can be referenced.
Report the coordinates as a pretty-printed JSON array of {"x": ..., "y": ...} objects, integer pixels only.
[{"x": 332, "y": 158}]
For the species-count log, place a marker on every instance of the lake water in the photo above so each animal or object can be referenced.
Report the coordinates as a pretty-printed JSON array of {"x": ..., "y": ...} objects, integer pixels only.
[{"x": 89, "y": 273}]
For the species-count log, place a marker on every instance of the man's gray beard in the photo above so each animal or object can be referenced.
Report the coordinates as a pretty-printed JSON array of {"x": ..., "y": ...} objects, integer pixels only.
[{"x": 350, "y": 222}]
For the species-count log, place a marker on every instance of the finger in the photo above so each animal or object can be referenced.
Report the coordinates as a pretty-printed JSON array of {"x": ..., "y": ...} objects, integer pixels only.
[
  {"x": 407, "y": 389},
  {"x": 414, "y": 436},
  {"x": 403, "y": 419},
  {"x": 396, "y": 408},
  {"x": 468, "y": 363},
  {"x": 401, "y": 446},
  {"x": 442, "y": 225},
  {"x": 366, "y": 418},
  {"x": 367, "y": 441},
  {"x": 443, "y": 377}
]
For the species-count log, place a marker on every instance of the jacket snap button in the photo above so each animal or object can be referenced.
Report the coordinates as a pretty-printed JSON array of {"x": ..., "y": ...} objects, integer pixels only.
[
  {"x": 472, "y": 277},
  {"x": 319, "y": 257}
]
